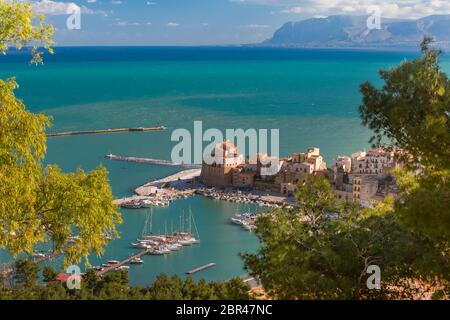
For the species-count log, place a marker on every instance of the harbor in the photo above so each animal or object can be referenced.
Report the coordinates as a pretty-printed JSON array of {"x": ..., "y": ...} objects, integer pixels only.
[
  {"x": 155, "y": 244},
  {"x": 184, "y": 184}
]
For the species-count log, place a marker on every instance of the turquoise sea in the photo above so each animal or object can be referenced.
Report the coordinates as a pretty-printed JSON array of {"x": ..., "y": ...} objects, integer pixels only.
[{"x": 310, "y": 95}]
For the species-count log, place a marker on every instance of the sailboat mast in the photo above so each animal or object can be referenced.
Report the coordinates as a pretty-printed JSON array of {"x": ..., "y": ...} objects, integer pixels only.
[
  {"x": 144, "y": 229},
  {"x": 151, "y": 221},
  {"x": 190, "y": 218},
  {"x": 182, "y": 226}
]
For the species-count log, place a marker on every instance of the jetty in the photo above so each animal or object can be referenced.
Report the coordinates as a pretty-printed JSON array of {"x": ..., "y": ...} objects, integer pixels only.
[
  {"x": 181, "y": 180},
  {"x": 119, "y": 130},
  {"x": 151, "y": 161},
  {"x": 113, "y": 267},
  {"x": 206, "y": 266}
]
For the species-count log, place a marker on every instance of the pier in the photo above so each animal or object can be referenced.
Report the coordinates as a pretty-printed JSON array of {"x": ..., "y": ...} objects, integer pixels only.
[
  {"x": 119, "y": 130},
  {"x": 113, "y": 267},
  {"x": 151, "y": 161},
  {"x": 206, "y": 266}
]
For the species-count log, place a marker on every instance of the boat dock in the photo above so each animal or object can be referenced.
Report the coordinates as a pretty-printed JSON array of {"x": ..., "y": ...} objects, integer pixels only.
[
  {"x": 206, "y": 266},
  {"x": 113, "y": 267},
  {"x": 73, "y": 133},
  {"x": 150, "y": 161}
]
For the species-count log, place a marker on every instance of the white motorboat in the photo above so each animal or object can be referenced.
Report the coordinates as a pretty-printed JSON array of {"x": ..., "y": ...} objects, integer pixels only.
[
  {"x": 123, "y": 268},
  {"x": 136, "y": 261}
]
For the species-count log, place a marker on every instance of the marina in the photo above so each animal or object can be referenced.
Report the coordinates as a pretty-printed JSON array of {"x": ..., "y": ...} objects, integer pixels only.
[
  {"x": 246, "y": 220},
  {"x": 115, "y": 265},
  {"x": 161, "y": 199},
  {"x": 184, "y": 184},
  {"x": 247, "y": 197},
  {"x": 155, "y": 244}
]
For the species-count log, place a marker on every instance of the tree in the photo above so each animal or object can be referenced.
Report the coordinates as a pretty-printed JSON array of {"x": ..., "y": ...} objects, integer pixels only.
[
  {"x": 323, "y": 249},
  {"x": 36, "y": 204},
  {"x": 412, "y": 111},
  {"x": 236, "y": 289},
  {"x": 17, "y": 28},
  {"x": 49, "y": 274},
  {"x": 26, "y": 273}
]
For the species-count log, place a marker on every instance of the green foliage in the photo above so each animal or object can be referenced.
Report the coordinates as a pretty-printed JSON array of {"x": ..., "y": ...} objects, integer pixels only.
[
  {"x": 49, "y": 274},
  {"x": 174, "y": 288},
  {"x": 20, "y": 26},
  {"x": 36, "y": 204},
  {"x": 425, "y": 204},
  {"x": 77, "y": 203},
  {"x": 115, "y": 286},
  {"x": 310, "y": 254},
  {"x": 26, "y": 273},
  {"x": 412, "y": 111}
]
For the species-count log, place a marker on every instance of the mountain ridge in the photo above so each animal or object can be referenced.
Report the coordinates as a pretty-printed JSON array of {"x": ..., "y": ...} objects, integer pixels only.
[{"x": 352, "y": 31}]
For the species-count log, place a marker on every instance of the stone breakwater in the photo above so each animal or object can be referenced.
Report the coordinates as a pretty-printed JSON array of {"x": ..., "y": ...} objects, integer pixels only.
[{"x": 118, "y": 130}]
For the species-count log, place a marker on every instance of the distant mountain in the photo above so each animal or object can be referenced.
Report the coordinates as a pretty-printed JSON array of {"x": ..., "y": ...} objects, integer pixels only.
[{"x": 352, "y": 31}]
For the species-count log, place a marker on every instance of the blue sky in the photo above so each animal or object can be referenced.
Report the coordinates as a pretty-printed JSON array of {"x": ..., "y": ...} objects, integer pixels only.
[{"x": 206, "y": 22}]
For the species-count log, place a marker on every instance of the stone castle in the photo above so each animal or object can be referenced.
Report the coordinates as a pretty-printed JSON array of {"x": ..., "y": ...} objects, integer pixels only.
[{"x": 363, "y": 176}]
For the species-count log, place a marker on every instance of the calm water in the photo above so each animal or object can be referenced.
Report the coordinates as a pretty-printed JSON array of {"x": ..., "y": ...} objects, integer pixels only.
[{"x": 310, "y": 95}]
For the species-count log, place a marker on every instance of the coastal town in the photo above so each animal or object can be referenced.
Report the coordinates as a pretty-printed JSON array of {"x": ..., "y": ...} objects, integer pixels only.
[{"x": 364, "y": 177}]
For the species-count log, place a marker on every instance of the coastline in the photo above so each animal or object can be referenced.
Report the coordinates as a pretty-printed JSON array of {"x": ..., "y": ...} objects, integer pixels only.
[{"x": 185, "y": 183}]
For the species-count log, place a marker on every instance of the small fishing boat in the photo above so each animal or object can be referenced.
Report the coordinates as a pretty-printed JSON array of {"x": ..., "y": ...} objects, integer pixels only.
[
  {"x": 132, "y": 205},
  {"x": 141, "y": 245},
  {"x": 123, "y": 268},
  {"x": 136, "y": 261},
  {"x": 157, "y": 252},
  {"x": 236, "y": 221}
]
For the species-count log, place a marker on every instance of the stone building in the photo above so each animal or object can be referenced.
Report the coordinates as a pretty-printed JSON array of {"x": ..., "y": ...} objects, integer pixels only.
[
  {"x": 227, "y": 168},
  {"x": 365, "y": 176},
  {"x": 296, "y": 169},
  {"x": 217, "y": 169},
  {"x": 243, "y": 176}
]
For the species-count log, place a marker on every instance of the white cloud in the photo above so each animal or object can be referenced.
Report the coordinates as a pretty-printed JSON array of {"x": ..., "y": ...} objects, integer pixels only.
[
  {"x": 406, "y": 9},
  {"x": 256, "y": 26},
  {"x": 126, "y": 24},
  {"x": 173, "y": 24},
  {"x": 151, "y": 3},
  {"x": 49, "y": 7}
]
